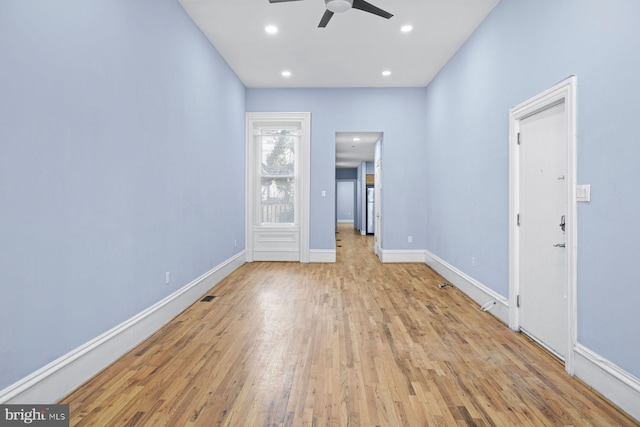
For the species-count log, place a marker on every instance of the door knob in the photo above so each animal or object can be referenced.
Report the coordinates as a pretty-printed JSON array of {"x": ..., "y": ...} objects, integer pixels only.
[
  {"x": 562, "y": 222},
  {"x": 559, "y": 245}
]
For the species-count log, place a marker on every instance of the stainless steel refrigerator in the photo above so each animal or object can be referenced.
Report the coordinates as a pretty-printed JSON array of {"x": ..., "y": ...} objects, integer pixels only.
[{"x": 371, "y": 212}]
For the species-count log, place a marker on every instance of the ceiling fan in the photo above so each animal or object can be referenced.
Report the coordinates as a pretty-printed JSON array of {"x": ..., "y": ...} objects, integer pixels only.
[{"x": 337, "y": 6}]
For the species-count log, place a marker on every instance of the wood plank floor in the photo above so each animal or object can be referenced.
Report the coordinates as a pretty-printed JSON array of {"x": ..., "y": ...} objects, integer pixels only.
[{"x": 355, "y": 343}]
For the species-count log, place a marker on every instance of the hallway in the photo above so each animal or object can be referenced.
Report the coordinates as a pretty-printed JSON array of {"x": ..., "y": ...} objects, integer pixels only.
[{"x": 355, "y": 343}]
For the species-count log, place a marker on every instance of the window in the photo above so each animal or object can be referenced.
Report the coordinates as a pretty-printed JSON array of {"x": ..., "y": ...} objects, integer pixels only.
[{"x": 278, "y": 175}]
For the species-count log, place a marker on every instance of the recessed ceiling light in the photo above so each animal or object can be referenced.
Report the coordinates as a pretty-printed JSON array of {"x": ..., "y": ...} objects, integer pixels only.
[
  {"x": 286, "y": 73},
  {"x": 386, "y": 73},
  {"x": 356, "y": 139},
  {"x": 271, "y": 29},
  {"x": 406, "y": 28}
]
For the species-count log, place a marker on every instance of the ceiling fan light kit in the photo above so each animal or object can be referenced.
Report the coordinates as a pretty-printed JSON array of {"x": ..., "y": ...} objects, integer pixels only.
[{"x": 337, "y": 6}]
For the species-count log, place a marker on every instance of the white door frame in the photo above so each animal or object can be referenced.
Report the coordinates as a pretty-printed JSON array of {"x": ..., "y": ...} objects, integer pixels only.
[
  {"x": 565, "y": 90},
  {"x": 377, "y": 228},
  {"x": 304, "y": 121}
]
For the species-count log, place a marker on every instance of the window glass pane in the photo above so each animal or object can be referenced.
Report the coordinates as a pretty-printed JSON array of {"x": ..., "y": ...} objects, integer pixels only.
[
  {"x": 278, "y": 153},
  {"x": 278, "y": 176},
  {"x": 278, "y": 200}
]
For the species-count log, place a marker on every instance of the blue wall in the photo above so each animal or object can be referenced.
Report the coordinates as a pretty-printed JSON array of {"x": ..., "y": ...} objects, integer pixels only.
[
  {"x": 370, "y": 168},
  {"x": 346, "y": 173},
  {"x": 345, "y": 201},
  {"x": 521, "y": 49},
  {"x": 346, "y": 206},
  {"x": 122, "y": 158},
  {"x": 399, "y": 113}
]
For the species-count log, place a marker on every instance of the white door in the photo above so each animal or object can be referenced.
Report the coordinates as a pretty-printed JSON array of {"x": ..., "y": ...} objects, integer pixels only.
[
  {"x": 371, "y": 212},
  {"x": 543, "y": 304},
  {"x": 278, "y": 186},
  {"x": 377, "y": 206}
]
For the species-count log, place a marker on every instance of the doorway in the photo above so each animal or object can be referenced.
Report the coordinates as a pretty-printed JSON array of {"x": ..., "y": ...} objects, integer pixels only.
[
  {"x": 542, "y": 239},
  {"x": 277, "y": 180},
  {"x": 345, "y": 201},
  {"x": 358, "y": 151}
]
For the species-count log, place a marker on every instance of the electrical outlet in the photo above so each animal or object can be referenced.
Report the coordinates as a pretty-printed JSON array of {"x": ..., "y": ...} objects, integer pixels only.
[
  {"x": 473, "y": 261},
  {"x": 235, "y": 243},
  {"x": 167, "y": 278},
  {"x": 410, "y": 239}
]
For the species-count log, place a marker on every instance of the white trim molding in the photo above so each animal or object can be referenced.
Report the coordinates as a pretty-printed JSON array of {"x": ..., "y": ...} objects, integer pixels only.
[
  {"x": 254, "y": 122},
  {"x": 612, "y": 382},
  {"x": 322, "y": 255},
  {"x": 401, "y": 255},
  {"x": 60, "y": 377},
  {"x": 470, "y": 286}
]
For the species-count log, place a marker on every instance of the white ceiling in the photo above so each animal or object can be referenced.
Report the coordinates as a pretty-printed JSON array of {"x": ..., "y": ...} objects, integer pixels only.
[
  {"x": 352, "y": 51},
  {"x": 350, "y": 153}
]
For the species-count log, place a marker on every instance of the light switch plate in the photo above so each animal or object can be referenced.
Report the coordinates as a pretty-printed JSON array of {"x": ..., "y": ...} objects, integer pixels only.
[{"x": 583, "y": 193}]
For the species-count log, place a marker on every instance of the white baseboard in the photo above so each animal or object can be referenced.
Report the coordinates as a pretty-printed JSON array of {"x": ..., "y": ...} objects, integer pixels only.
[
  {"x": 470, "y": 286},
  {"x": 277, "y": 255},
  {"x": 60, "y": 377},
  {"x": 322, "y": 255},
  {"x": 345, "y": 221},
  {"x": 615, "y": 384},
  {"x": 401, "y": 255}
]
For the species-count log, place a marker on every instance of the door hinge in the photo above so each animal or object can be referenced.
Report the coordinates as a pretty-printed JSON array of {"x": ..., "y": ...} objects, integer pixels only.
[
  {"x": 517, "y": 300},
  {"x": 518, "y": 220},
  {"x": 519, "y": 140}
]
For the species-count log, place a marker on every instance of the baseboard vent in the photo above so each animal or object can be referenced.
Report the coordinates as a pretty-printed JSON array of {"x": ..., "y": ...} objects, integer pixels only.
[{"x": 208, "y": 298}]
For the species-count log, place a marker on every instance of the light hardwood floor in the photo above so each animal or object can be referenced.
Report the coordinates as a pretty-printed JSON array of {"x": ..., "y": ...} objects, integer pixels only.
[{"x": 355, "y": 343}]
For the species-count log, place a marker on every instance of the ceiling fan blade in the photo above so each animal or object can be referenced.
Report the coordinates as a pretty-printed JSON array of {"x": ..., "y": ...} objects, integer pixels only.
[
  {"x": 325, "y": 18},
  {"x": 368, "y": 7}
]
